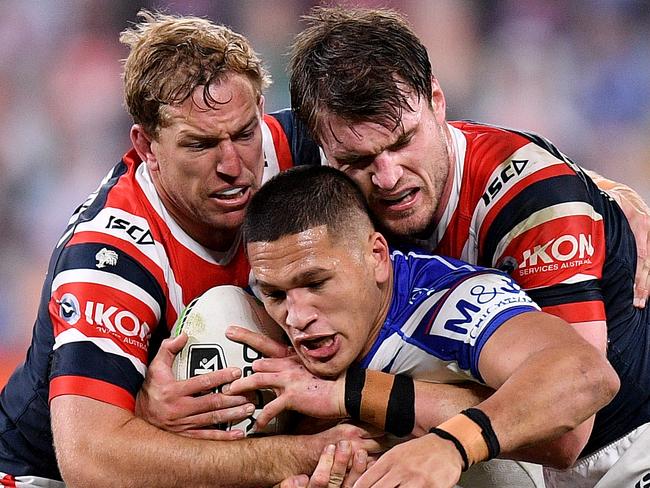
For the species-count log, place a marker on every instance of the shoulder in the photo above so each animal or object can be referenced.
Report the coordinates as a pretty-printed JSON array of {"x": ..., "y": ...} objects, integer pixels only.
[{"x": 291, "y": 135}]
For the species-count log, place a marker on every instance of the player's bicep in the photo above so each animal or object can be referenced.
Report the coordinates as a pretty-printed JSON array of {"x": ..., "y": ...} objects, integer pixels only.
[
  {"x": 103, "y": 307},
  {"x": 519, "y": 338}
]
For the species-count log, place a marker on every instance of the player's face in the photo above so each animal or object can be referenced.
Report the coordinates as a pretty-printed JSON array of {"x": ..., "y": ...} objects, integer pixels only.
[
  {"x": 329, "y": 296},
  {"x": 207, "y": 162},
  {"x": 402, "y": 172}
]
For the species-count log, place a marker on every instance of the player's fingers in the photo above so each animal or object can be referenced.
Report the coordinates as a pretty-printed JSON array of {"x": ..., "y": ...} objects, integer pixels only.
[
  {"x": 359, "y": 465},
  {"x": 210, "y": 402},
  {"x": 215, "y": 417},
  {"x": 265, "y": 345},
  {"x": 271, "y": 365},
  {"x": 254, "y": 381},
  {"x": 320, "y": 478},
  {"x": 207, "y": 382},
  {"x": 342, "y": 457},
  {"x": 371, "y": 477},
  {"x": 169, "y": 348},
  {"x": 270, "y": 411},
  {"x": 642, "y": 276}
]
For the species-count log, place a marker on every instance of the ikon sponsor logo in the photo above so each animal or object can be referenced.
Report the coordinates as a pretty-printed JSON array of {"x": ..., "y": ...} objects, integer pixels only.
[
  {"x": 115, "y": 320},
  {"x": 562, "y": 252}
]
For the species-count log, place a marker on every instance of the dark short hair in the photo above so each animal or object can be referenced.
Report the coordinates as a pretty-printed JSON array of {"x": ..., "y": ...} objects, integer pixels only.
[
  {"x": 302, "y": 198},
  {"x": 359, "y": 64}
]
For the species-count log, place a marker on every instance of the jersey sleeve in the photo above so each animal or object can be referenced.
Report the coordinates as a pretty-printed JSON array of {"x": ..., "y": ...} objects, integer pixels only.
[
  {"x": 104, "y": 305},
  {"x": 464, "y": 318},
  {"x": 544, "y": 225},
  {"x": 303, "y": 149}
]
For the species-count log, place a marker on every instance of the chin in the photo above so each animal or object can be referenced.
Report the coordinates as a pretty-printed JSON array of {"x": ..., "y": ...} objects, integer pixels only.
[{"x": 324, "y": 370}]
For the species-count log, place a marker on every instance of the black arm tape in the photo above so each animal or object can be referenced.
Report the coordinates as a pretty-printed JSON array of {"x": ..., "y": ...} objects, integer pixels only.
[
  {"x": 400, "y": 417},
  {"x": 483, "y": 421},
  {"x": 449, "y": 437},
  {"x": 355, "y": 379}
]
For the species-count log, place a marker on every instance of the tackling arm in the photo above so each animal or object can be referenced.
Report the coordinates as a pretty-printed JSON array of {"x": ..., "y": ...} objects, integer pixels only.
[{"x": 99, "y": 444}]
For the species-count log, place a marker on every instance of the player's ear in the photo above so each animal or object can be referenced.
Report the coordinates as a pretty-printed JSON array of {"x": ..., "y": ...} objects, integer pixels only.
[
  {"x": 142, "y": 141},
  {"x": 260, "y": 105},
  {"x": 380, "y": 256},
  {"x": 438, "y": 103}
]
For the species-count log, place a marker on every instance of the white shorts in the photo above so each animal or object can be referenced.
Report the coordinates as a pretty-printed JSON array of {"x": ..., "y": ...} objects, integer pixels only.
[
  {"x": 625, "y": 463},
  {"x": 503, "y": 473},
  {"x": 29, "y": 482}
]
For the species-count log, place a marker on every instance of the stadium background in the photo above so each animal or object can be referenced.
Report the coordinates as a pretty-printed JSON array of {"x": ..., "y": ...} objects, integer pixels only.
[{"x": 575, "y": 71}]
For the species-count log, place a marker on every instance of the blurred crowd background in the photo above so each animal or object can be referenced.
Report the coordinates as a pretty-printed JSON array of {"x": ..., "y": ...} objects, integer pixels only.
[{"x": 575, "y": 71}]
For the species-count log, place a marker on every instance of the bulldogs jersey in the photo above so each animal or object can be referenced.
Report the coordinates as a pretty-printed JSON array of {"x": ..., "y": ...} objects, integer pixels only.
[
  {"x": 519, "y": 204},
  {"x": 119, "y": 276},
  {"x": 442, "y": 313}
]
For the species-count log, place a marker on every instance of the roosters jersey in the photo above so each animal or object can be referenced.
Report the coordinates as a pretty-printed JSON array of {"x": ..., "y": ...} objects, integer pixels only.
[
  {"x": 442, "y": 313},
  {"x": 519, "y": 204},
  {"x": 118, "y": 279}
]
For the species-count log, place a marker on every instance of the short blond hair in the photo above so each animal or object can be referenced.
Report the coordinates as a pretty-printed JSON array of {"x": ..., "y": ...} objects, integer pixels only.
[{"x": 172, "y": 55}]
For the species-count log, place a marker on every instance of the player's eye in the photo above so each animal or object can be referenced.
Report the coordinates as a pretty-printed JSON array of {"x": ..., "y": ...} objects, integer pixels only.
[
  {"x": 275, "y": 295},
  {"x": 316, "y": 285},
  {"x": 244, "y": 136}
]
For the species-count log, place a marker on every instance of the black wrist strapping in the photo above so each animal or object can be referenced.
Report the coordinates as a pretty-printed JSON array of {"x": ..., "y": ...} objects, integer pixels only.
[
  {"x": 400, "y": 414},
  {"x": 483, "y": 421},
  {"x": 385, "y": 400},
  {"x": 355, "y": 379},
  {"x": 450, "y": 437}
]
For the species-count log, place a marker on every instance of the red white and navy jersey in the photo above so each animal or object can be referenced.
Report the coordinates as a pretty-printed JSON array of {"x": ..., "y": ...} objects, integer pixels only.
[
  {"x": 118, "y": 279},
  {"x": 442, "y": 313},
  {"x": 518, "y": 203}
]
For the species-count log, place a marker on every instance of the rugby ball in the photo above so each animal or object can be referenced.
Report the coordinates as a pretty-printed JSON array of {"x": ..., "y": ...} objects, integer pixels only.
[{"x": 205, "y": 320}]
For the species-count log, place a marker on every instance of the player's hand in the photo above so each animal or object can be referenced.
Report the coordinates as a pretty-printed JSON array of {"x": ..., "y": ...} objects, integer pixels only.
[
  {"x": 295, "y": 389},
  {"x": 184, "y": 406},
  {"x": 367, "y": 438},
  {"x": 264, "y": 344},
  {"x": 428, "y": 462},
  {"x": 638, "y": 216},
  {"x": 338, "y": 466}
]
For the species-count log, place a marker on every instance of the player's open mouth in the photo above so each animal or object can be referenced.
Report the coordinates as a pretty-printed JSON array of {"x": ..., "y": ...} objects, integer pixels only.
[
  {"x": 399, "y": 201},
  {"x": 321, "y": 348},
  {"x": 231, "y": 193}
]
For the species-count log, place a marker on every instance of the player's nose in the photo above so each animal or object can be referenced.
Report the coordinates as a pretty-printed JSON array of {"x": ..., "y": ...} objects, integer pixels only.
[
  {"x": 386, "y": 171},
  {"x": 228, "y": 161},
  {"x": 299, "y": 312}
]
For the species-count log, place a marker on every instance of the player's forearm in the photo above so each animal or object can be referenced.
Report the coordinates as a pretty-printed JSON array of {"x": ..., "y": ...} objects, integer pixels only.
[
  {"x": 561, "y": 452},
  {"x": 552, "y": 393},
  {"x": 437, "y": 402},
  {"x": 126, "y": 451}
]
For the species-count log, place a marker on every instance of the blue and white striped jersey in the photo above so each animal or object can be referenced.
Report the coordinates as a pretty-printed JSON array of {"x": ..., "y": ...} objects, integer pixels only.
[{"x": 442, "y": 313}]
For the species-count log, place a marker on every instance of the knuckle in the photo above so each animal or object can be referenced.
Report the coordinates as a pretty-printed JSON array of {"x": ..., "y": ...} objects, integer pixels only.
[{"x": 217, "y": 401}]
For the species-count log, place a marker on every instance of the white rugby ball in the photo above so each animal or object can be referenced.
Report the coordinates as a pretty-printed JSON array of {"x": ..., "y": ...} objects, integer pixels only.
[{"x": 205, "y": 320}]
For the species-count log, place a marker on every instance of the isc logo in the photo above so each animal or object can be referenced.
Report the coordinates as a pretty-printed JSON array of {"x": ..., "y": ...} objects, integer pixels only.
[
  {"x": 514, "y": 168},
  {"x": 138, "y": 234}
]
